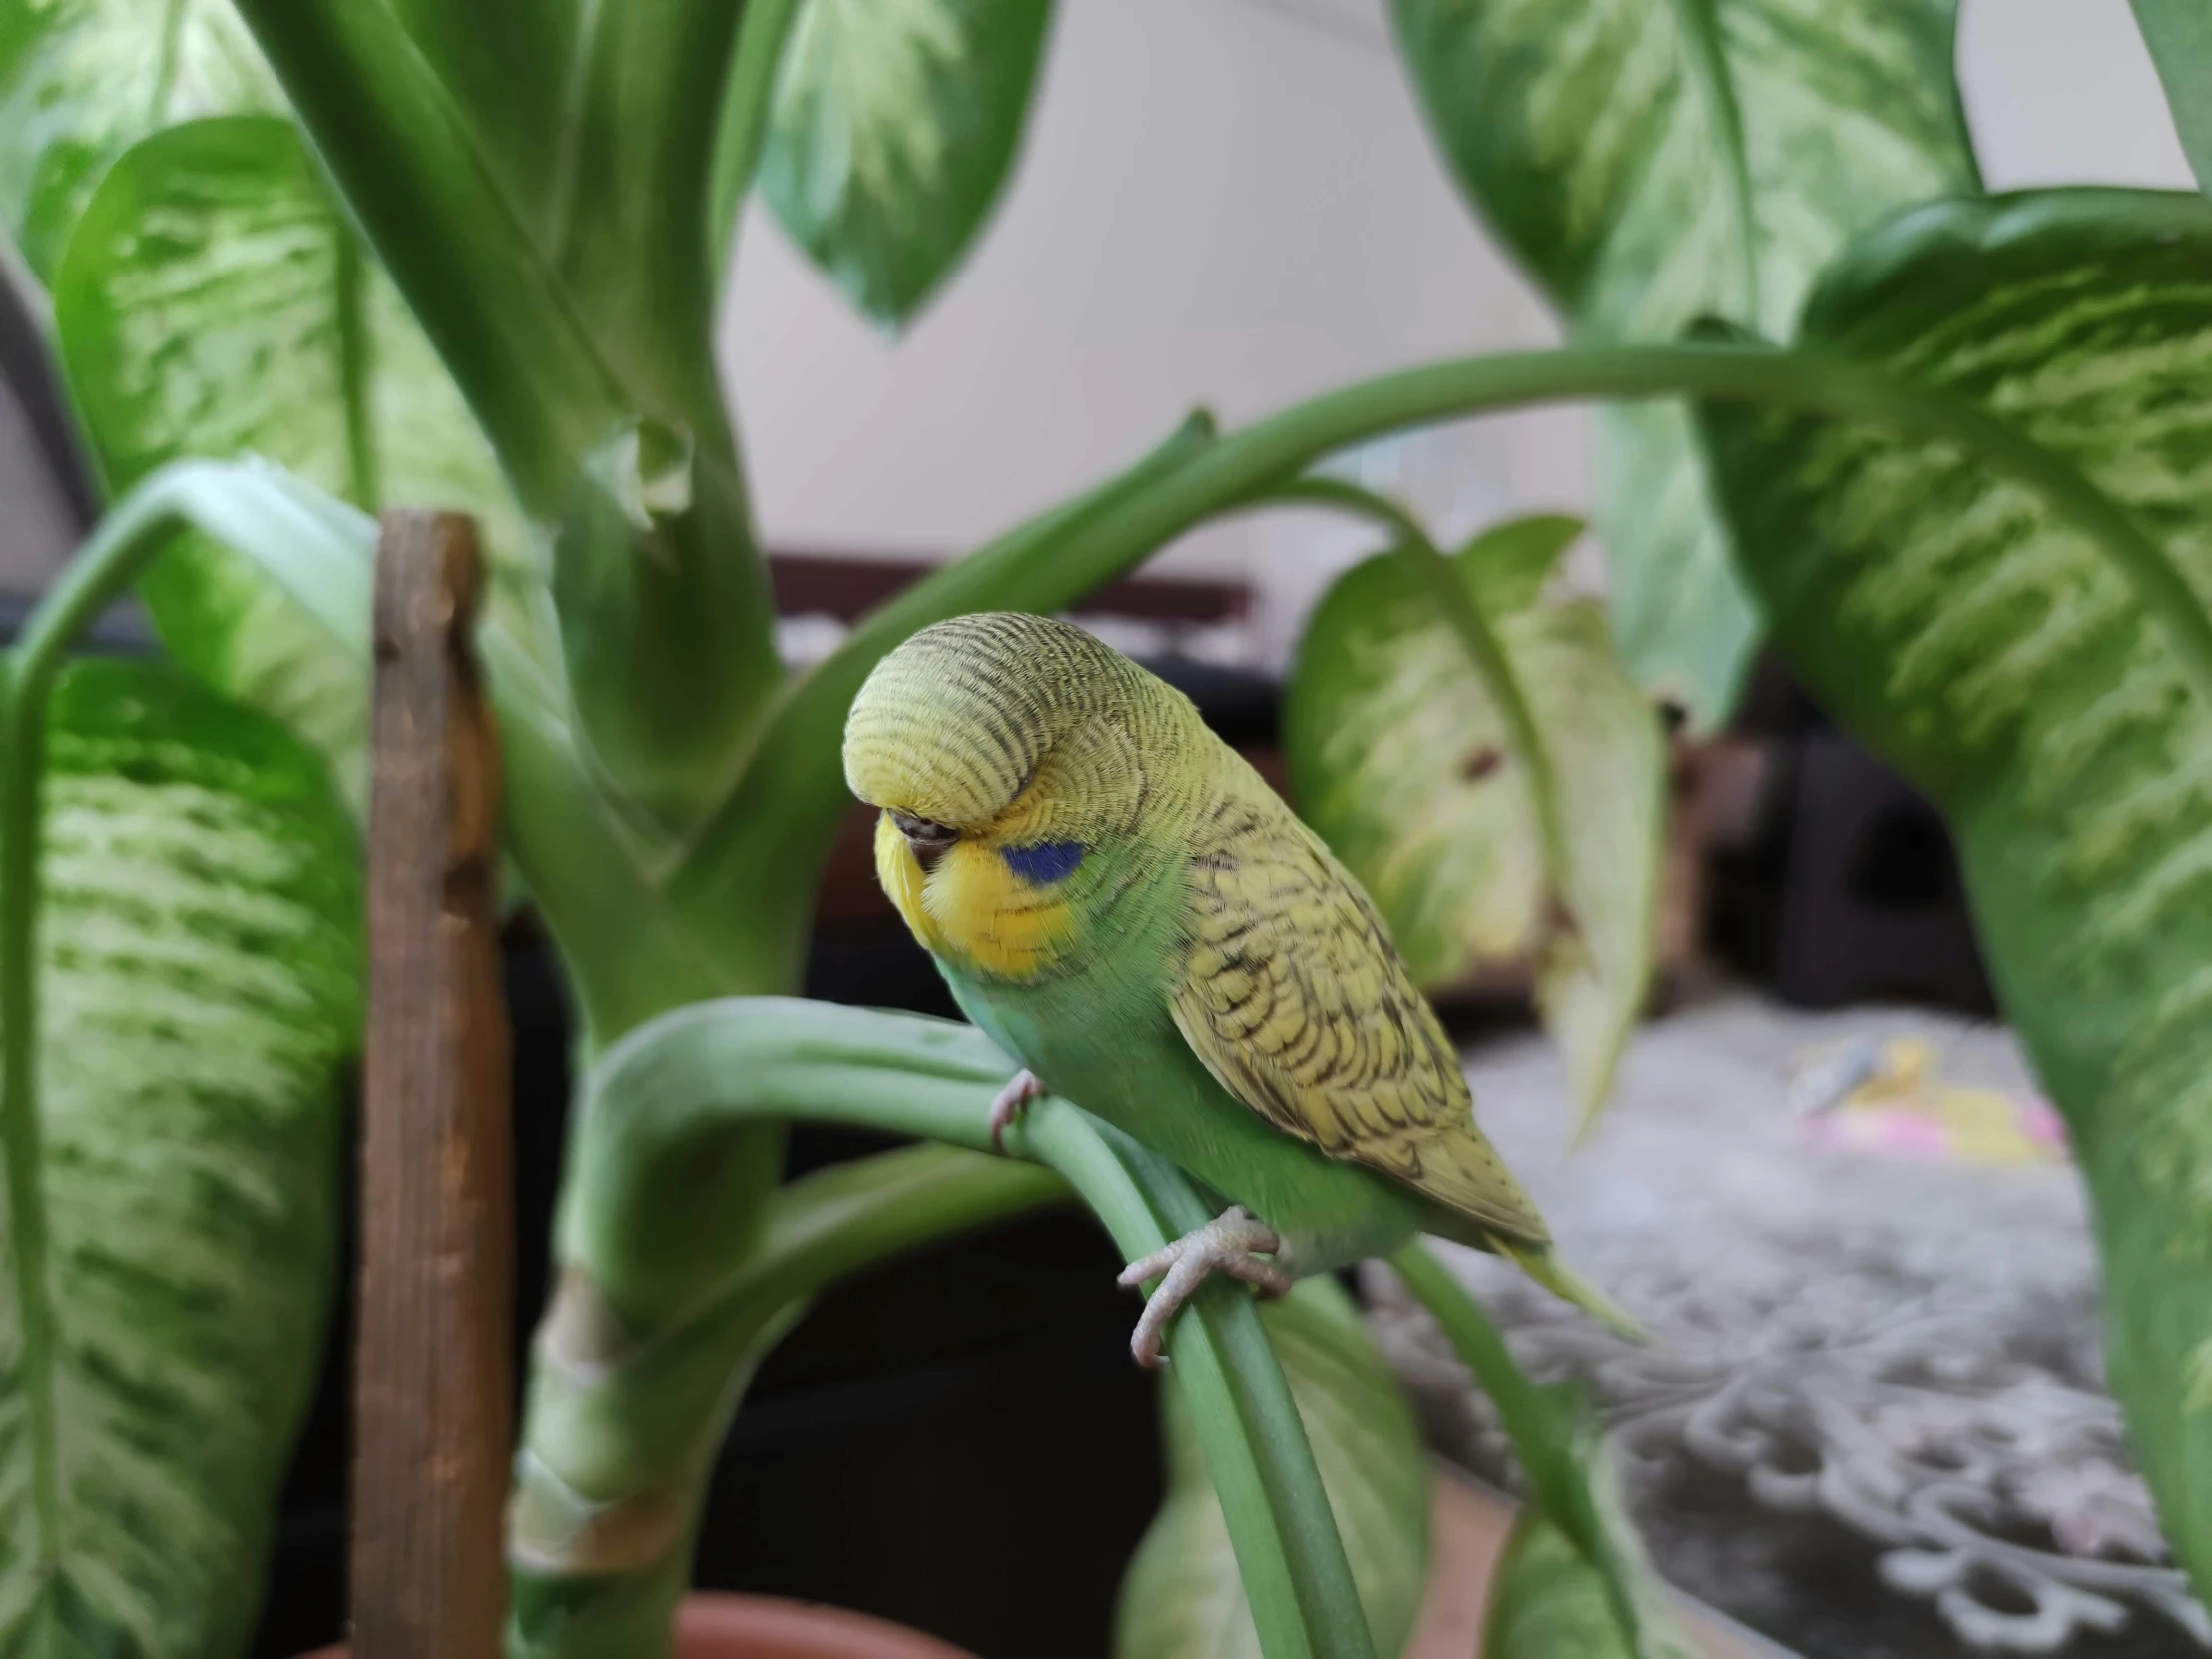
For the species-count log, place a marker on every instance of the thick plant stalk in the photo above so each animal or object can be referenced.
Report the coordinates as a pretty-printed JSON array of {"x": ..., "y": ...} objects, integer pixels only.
[
  {"x": 447, "y": 230},
  {"x": 667, "y": 1298},
  {"x": 562, "y": 349}
]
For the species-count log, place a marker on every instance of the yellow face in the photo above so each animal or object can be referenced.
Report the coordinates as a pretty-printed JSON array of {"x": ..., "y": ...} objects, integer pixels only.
[
  {"x": 1003, "y": 752},
  {"x": 972, "y": 900}
]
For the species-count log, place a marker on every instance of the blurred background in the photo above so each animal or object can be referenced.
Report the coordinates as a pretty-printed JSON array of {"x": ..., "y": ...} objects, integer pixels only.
[{"x": 1274, "y": 223}]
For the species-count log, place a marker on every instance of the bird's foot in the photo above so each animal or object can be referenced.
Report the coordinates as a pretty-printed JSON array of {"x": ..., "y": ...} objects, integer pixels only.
[
  {"x": 1223, "y": 1245},
  {"x": 1006, "y": 1107}
]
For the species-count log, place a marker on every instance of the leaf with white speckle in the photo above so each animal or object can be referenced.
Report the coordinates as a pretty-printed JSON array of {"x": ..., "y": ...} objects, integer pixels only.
[
  {"x": 894, "y": 127},
  {"x": 2012, "y": 671},
  {"x": 82, "y": 80},
  {"x": 214, "y": 302},
  {"x": 1650, "y": 161},
  {"x": 1404, "y": 762},
  {"x": 201, "y": 986}
]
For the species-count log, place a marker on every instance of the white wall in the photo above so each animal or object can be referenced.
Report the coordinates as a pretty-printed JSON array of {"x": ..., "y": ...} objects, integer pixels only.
[
  {"x": 1232, "y": 202},
  {"x": 2061, "y": 92},
  {"x": 1221, "y": 201}
]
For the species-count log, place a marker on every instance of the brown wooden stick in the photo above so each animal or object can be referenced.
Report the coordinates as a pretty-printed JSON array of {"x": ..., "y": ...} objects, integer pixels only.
[{"x": 432, "y": 1409}]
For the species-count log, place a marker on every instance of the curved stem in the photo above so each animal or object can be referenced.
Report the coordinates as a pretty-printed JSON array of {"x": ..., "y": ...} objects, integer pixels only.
[
  {"x": 1245, "y": 462},
  {"x": 660, "y": 1274},
  {"x": 1539, "y": 1422},
  {"x": 1223, "y": 475},
  {"x": 1429, "y": 568},
  {"x": 1290, "y": 1556}
]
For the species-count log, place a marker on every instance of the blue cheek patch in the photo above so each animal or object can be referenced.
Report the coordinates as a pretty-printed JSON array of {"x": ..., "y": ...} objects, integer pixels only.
[{"x": 1044, "y": 863}]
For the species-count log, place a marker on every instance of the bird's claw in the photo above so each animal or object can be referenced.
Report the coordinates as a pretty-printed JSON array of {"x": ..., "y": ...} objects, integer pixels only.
[
  {"x": 1223, "y": 1245},
  {"x": 1006, "y": 1106}
]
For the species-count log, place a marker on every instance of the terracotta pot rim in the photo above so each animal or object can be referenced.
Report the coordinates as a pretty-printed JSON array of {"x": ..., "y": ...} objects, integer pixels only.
[{"x": 712, "y": 1624}]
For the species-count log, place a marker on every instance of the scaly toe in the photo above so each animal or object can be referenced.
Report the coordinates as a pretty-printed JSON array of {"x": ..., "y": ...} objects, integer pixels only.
[
  {"x": 1007, "y": 1104},
  {"x": 1223, "y": 1245}
]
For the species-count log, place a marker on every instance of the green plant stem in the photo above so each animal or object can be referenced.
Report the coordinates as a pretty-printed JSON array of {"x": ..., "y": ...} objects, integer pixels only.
[
  {"x": 667, "y": 1292},
  {"x": 447, "y": 229},
  {"x": 1046, "y": 564},
  {"x": 356, "y": 358},
  {"x": 1538, "y": 1422},
  {"x": 1290, "y": 1556},
  {"x": 126, "y": 539},
  {"x": 1244, "y": 464},
  {"x": 1428, "y": 567},
  {"x": 634, "y": 248},
  {"x": 557, "y": 348},
  {"x": 748, "y": 104}
]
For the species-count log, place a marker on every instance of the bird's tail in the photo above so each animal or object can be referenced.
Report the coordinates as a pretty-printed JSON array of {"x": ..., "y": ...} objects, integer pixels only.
[{"x": 1541, "y": 1263}]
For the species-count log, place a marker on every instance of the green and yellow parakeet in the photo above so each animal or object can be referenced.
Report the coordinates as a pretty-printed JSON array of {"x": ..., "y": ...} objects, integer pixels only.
[{"x": 1125, "y": 906}]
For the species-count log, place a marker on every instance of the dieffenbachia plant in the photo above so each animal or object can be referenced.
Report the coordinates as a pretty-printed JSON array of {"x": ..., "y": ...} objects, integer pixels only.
[
  {"x": 447, "y": 255},
  {"x": 1472, "y": 750},
  {"x": 181, "y": 983},
  {"x": 2056, "y": 704},
  {"x": 1652, "y": 162}
]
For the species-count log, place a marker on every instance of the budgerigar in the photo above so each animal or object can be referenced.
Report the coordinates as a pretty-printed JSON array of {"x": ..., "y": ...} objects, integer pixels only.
[{"x": 1126, "y": 907}]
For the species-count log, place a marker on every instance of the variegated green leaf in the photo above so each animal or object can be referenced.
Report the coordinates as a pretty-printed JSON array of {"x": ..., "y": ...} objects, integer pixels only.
[
  {"x": 1182, "y": 1597},
  {"x": 201, "y": 984},
  {"x": 894, "y": 127},
  {"x": 2028, "y": 686},
  {"x": 1547, "y": 1601},
  {"x": 1404, "y": 762},
  {"x": 214, "y": 302},
  {"x": 1653, "y": 160},
  {"x": 82, "y": 80}
]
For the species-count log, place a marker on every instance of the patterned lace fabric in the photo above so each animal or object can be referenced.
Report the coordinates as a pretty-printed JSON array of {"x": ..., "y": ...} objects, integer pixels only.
[{"x": 1872, "y": 1423}]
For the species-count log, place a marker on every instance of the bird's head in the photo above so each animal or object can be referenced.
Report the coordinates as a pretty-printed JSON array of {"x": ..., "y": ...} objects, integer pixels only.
[
  {"x": 1004, "y": 751},
  {"x": 1000, "y": 726}
]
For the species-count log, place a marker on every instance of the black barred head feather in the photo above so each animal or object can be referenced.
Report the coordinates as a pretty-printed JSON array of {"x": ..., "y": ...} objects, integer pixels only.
[{"x": 954, "y": 725}]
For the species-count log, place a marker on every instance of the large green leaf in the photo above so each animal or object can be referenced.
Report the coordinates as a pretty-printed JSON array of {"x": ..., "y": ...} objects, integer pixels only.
[
  {"x": 1546, "y": 1602},
  {"x": 214, "y": 301},
  {"x": 1551, "y": 1598},
  {"x": 894, "y": 128},
  {"x": 1407, "y": 764},
  {"x": 2036, "y": 690},
  {"x": 1653, "y": 160},
  {"x": 81, "y": 80},
  {"x": 1549, "y": 1602},
  {"x": 1182, "y": 1598},
  {"x": 201, "y": 983}
]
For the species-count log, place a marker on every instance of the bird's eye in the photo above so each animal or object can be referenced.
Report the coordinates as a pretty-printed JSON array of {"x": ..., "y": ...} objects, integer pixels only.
[{"x": 924, "y": 836}]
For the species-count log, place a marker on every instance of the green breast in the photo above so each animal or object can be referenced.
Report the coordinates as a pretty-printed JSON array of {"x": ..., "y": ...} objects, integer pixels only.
[{"x": 1100, "y": 1035}]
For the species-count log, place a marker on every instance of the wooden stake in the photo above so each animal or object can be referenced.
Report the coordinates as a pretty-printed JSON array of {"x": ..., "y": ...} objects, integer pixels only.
[{"x": 433, "y": 1411}]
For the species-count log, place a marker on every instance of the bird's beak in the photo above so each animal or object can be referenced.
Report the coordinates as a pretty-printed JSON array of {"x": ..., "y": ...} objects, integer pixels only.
[{"x": 927, "y": 837}]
